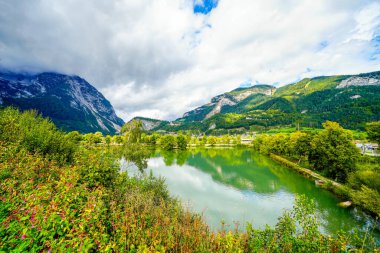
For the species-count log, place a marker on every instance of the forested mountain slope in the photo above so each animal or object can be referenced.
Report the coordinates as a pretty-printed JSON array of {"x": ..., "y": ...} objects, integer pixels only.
[{"x": 350, "y": 100}]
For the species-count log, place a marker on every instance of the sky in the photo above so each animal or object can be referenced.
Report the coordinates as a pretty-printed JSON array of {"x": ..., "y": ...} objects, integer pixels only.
[{"x": 162, "y": 58}]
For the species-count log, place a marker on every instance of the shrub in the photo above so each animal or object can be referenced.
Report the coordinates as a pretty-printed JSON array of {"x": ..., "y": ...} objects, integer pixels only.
[
  {"x": 368, "y": 198},
  {"x": 36, "y": 134},
  {"x": 74, "y": 136}
]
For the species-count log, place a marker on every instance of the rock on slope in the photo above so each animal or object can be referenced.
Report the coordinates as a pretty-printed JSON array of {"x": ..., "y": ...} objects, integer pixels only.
[
  {"x": 231, "y": 98},
  {"x": 70, "y": 101},
  {"x": 149, "y": 124},
  {"x": 360, "y": 81}
]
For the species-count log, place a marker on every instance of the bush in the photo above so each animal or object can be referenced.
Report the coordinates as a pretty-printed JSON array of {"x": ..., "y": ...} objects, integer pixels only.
[
  {"x": 373, "y": 130},
  {"x": 36, "y": 134},
  {"x": 74, "y": 136},
  {"x": 368, "y": 198},
  {"x": 45, "y": 207},
  {"x": 366, "y": 177}
]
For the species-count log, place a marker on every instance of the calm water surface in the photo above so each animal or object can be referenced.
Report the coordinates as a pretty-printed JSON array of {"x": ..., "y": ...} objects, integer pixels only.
[{"x": 237, "y": 186}]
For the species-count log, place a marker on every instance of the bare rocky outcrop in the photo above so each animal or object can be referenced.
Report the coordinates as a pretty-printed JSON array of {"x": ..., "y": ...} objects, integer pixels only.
[
  {"x": 254, "y": 90},
  {"x": 231, "y": 98},
  {"x": 359, "y": 81},
  {"x": 218, "y": 107},
  {"x": 149, "y": 125}
]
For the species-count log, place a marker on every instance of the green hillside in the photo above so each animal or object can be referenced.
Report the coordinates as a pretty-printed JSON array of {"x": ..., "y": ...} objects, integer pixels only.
[
  {"x": 350, "y": 100},
  {"x": 309, "y": 85}
]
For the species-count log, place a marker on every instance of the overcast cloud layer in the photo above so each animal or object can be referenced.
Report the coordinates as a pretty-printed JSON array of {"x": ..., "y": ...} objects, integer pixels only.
[{"x": 159, "y": 59}]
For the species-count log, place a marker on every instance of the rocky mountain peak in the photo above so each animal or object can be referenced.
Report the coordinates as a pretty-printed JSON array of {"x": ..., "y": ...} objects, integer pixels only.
[{"x": 70, "y": 101}]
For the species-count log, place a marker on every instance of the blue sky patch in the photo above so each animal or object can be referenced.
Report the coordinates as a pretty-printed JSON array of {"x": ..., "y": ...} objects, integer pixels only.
[
  {"x": 247, "y": 83},
  {"x": 204, "y": 6},
  {"x": 375, "y": 55},
  {"x": 323, "y": 44}
]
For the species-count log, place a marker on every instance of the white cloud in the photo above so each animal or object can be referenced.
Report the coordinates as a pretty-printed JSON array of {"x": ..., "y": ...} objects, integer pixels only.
[{"x": 158, "y": 59}]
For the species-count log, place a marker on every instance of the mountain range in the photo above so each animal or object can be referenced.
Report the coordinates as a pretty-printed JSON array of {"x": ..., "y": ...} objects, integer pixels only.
[
  {"x": 69, "y": 101},
  {"x": 74, "y": 104},
  {"x": 351, "y": 100}
]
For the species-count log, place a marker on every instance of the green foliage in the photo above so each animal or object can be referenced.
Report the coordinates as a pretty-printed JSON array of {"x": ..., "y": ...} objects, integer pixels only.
[
  {"x": 333, "y": 151},
  {"x": 309, "y": 85},
  {"x": 297, "y": 230},
  {"x": 118, "y": 139},
  {"x": 167, "y": 142},
  {"x": 97, "y": 167},
  {"x": 108, "y": 140},
  {"x": 267, "y": 144},
  {"x": 368, "y": 198},
  {"x": 87, "y": 205},
  {"x": 338, "y": 105},
  {"x": 74, "y": 136},
  {"x": 137, "y": 154},
  {"x": 211, "y": 140},
  {"x": 181, "y": 141},
  {"x": 93, "y": 138},
  {"x": 307, "y": 103},
  {"x": 365, "y": 176},
  {"x": 49, "y": 208},
  {"x": 373, "y": 130},
  {"x": 151, "y": 139},
  {"x": 35, "y": 134},
  {"x": 299, "y": 145},
  {"x": 133, "y": 131}
]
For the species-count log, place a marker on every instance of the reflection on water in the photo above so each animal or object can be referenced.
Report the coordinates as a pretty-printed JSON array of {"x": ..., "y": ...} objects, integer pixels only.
[{"x": 239, "y": 186}]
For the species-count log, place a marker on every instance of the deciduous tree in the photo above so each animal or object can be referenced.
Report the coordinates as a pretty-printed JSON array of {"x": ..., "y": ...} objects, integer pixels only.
[{"x": 333, "y": 151}]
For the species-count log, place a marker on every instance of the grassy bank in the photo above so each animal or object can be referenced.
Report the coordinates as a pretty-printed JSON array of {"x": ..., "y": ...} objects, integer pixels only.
[
  {"x": 333, "y": 186},
  {"x": 330, "y": 156},
  {"x": 362, "y": 198}
]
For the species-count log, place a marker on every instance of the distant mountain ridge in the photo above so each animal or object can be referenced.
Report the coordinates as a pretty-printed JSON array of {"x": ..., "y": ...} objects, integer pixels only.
[
  {"x": 231, "y": 98},
  {"x": 70, "y": 101},
  {"x": 148, "y": 123},
  {"x": 351, "y": 100}
]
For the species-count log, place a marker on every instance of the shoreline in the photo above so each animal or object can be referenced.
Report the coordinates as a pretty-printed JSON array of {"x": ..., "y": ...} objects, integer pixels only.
[{"x": 343, "y": 192}]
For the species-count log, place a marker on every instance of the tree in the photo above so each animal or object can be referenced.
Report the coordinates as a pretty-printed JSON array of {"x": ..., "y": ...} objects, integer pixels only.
[
  {"x": 74, "y": 136},
  {"x": 203, "y": 140},
  {"x": 133, "y": 130},
  {"x": 118, "y": 139},
  {"x": 299, "y": 145},
  {"x": 167, "y": 142},
  {"x": 93, "y": 138},
  {"x": 211, "y": 140},
  {"x": 181, "y": 142},
  {"x": 97, "y": 137},
  {"x": 108, "y": 140},
  {"x": 373, "y": 130},
  {"x": 333, "y": 152}
]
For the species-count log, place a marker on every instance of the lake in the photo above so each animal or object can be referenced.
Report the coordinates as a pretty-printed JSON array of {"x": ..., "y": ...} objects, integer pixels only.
[{"x": 236, "y": 186}]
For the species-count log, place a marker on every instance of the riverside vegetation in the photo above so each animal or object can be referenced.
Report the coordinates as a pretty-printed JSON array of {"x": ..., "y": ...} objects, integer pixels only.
[
  {"x": 332, "y": 153},
  {"x": 63, "y": 193}
]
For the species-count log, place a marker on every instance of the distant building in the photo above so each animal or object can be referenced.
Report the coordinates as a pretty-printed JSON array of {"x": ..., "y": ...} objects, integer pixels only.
[{"x": 368, "y": 147}]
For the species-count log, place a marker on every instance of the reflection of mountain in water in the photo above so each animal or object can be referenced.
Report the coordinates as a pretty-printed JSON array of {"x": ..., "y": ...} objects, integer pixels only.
[
  {"x": 248, "y": 171},
  {"x": 237, "y": 170}
]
